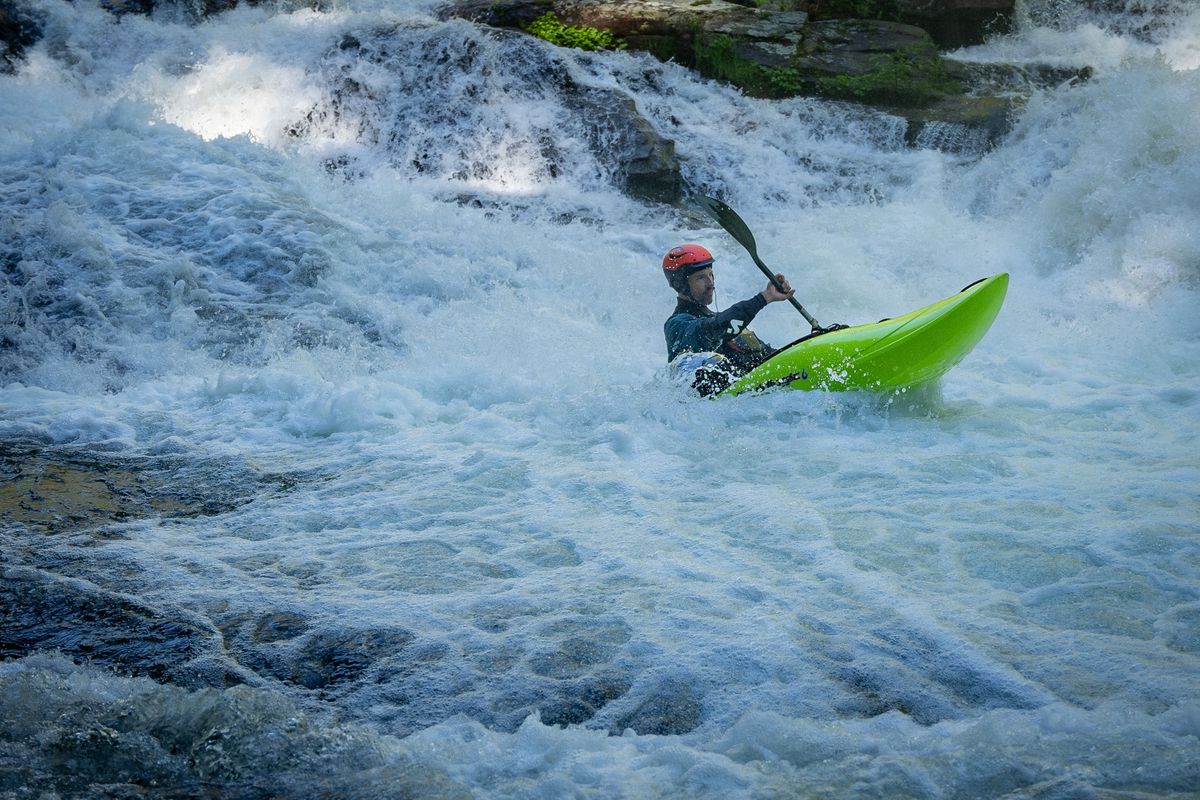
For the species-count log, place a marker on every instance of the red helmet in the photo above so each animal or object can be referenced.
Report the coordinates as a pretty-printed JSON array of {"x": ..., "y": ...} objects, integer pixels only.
[{"x": 682, "y": 261}]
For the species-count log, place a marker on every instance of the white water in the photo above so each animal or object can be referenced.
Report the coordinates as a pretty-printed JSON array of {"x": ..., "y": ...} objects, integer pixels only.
[{"x": 469, "y": 442}]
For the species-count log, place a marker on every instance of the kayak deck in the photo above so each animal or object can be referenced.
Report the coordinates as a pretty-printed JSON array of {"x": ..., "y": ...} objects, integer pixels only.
[{"x": 891, "y": 354}]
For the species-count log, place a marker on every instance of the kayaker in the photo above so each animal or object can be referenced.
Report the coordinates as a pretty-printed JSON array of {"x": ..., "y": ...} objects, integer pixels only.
[{"x": 733, "y": 349}]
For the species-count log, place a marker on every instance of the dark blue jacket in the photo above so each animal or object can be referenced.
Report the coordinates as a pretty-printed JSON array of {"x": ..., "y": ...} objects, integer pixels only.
[{"x": 694, "y": 328}]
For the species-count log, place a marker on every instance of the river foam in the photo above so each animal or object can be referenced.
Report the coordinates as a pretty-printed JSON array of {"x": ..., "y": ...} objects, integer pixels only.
[{"x": 420, "y": 511}]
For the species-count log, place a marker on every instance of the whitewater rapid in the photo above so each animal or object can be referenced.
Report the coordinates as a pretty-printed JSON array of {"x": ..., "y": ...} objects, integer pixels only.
[{"x": 428, "y": 515}]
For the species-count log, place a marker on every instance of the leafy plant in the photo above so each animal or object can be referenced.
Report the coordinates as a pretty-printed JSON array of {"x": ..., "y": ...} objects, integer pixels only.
[
  {"x": 717, "y": 57},
  {"x": 549, "y": 27}
]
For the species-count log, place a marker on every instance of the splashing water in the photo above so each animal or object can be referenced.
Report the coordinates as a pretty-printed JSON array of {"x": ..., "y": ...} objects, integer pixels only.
[{"x": 340, "y": 457}]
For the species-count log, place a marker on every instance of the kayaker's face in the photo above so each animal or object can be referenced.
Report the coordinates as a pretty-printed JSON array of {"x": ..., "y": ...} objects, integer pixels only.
[{"x": 701, "y": 286}]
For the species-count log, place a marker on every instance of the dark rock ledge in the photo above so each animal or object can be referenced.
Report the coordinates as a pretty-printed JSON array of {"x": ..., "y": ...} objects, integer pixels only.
[{"x": 787, "y": 48}]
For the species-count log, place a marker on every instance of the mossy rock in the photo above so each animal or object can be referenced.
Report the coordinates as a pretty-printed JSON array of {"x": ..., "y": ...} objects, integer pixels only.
[
  {"x": 873, "y": 62},
  {"x": 724, "y": 58}
]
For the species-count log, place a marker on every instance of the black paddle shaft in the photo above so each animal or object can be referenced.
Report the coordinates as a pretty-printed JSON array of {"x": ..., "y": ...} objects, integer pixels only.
[{"x": 739, "y": 230}]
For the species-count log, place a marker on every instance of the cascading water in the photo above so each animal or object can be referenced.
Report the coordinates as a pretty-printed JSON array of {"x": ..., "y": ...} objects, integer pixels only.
[{"x": 341, "y": 459}]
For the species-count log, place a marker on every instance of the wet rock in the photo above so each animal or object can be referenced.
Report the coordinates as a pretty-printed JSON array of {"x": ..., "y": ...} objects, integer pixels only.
[
  {"x": 783, "y": 50},
  {"x": 578, "y": 703},
  {"x": 670, "y": 708},
  {"x": 41, "y": 612},
  {"x": 957, "y": 23},
  {"x": 1000, "y": 78},
  {"x": 328, "y": 659},
  {"x": 572, "y": 658},
  {"x": 56, "y": 491},
  {"x": 646, "y": 165},
  {"x": 517, "y": 14},
  {"x": 964, "y": 124},
  {"x": 640, "y": 160},
  {"x": 120, "y": 7},
  {"x": 279, "y": 626},
  {"x": 19, "y": 29},
  {"x": 952, "y": 23},
  {"x": 196, "y": 9},
  {"x": 872, "y": 61}
]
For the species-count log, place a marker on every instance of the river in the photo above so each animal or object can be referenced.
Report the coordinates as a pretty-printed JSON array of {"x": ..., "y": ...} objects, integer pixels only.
[{"x": 340, "y": 333}]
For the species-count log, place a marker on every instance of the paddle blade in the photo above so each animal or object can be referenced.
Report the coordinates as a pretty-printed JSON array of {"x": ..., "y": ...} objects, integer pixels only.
[{"x": 728, "y": 219}]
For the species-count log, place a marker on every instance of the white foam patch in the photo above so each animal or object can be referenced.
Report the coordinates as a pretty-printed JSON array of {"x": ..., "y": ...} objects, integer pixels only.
[{"x": 484, "y": 500}]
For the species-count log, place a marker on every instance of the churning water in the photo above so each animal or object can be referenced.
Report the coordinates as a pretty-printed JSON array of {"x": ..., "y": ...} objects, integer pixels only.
[{"x": 341, "y": 460}]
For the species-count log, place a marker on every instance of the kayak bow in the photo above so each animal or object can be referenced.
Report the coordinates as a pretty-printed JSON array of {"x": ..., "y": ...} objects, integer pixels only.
[{"x": 898, "y": 353}]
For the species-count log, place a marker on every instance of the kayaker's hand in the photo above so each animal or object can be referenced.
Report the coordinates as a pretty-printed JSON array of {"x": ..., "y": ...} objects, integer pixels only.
[{"x": 772, "y": 294}]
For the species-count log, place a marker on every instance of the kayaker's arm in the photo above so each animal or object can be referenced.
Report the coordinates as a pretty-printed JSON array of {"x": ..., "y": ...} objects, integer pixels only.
[
  {"x": 697, "y": 330},
  {"x": 692, "y": 332}
]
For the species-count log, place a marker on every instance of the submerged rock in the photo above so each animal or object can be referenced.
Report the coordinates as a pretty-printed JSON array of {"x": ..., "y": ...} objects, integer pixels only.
[
  {"x": 670, "y": 708},
  {"x": 51, "y": 491},
  {"x": 43, "y": 612},
  {"x": 277, "y": 647},
  {"x": 78, "y": 732},
  {"x": 580, "y": 701}
]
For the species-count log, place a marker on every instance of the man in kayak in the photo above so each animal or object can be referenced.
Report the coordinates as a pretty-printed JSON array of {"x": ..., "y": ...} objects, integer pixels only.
[{"x": 695, "y": 328}]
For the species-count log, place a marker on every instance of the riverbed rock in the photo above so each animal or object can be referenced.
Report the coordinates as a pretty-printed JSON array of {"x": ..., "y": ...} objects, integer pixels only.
[
  {"x": 334, "y": 657},
  {"x": 41, "y": 611},
  {"x": 49, "y": 491},
  {"x": 19, "y": 29},
  {"x": 669, "y": 707}
]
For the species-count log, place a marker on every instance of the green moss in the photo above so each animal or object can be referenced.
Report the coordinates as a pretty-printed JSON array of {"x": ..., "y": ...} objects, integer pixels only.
[
  {"x": 911, "y": 76},
  {"x": 915, "y": 75},
  {"x": 717, "y": 57},
  {"x": 664, "y": 48},
  {"x": 548, "y": 27}
]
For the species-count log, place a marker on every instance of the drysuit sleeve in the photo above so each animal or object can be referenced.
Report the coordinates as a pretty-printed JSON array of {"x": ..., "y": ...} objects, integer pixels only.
[{"x": 689, "y": 333}]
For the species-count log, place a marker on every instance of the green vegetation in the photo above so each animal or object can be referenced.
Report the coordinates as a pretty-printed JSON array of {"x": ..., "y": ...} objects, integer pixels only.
[
  {"x": 550, "y": 28},
  {"x": 717, "y": 57},
  {"x": 913, "y": 75}
]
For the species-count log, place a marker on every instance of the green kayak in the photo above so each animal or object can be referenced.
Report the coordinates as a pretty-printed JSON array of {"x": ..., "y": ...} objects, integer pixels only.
[{"x": 888, "y": 355}]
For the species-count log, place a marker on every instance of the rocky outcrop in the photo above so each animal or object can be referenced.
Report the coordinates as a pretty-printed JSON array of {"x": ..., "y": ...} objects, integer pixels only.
[
  {"x": 957, "y": 23},
  {"x": 951, "y": 23},
  {"x": 196, "y": 9},
  {"x": 796, "y": 50},
  {"x": 18, "y": 30},
  {"x": 639, "y": 160},
  {"x": 649, "y": 169}
]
